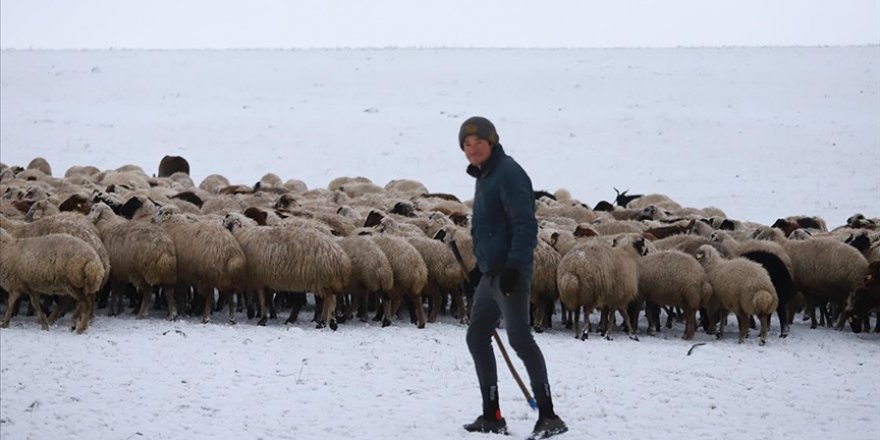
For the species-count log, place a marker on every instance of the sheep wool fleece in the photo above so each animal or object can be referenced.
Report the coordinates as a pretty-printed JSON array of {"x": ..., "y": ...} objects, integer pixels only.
[{"x": 504, "y": 231}]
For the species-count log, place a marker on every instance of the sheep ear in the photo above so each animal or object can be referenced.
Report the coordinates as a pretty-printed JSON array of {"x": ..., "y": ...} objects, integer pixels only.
[{"x": 130, "y": 207}]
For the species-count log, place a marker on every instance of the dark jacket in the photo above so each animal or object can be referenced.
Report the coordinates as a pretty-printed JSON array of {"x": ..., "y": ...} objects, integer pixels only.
[{"x": 504, "y": 228}]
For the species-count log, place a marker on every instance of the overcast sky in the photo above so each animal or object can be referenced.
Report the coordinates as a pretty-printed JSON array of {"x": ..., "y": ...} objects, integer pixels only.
[{"x": 175, "y": 24}]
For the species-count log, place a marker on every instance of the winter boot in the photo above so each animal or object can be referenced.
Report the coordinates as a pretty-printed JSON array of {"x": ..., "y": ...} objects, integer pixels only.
[
  {"x": 549, "y": 424},
  {"x": 491, "y": 420},
  {"x": 483, "y": 424},
  {"x": 547, "y": 427}
]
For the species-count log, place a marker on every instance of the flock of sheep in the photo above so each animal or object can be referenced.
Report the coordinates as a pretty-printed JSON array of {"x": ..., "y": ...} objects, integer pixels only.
[{"x": 120, "y": 238}]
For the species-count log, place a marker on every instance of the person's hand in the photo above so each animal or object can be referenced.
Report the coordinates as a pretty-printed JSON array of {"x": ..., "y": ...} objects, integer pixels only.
[{"x": 509, "y": 277}]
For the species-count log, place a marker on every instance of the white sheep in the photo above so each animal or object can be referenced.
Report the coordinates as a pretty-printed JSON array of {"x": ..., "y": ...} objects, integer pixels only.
[
  {"x": 208, "y": 256},
  {"x": 371, "y": 273},
  {"x": 410, "y": 276},
  {"x": 596, "y": 275},
  {"x": 51, "y": 264},
  {"x": 778, "y": 265},
  {"x": 676, "y": 279},
  {"x": 741, "y": 286},
  {"x": 288, "y": 259},
  {"x": 141, "y": 254}
]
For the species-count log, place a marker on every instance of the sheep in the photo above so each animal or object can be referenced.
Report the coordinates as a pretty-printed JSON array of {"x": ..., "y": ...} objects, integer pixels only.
[
  {"x": 371, "y": 272},
  {"x": 410, "y": 276},
  {"x": 391, "y": 225},
  {"x": 689, "y": 244},
  {"x": 213, "y": 183},
  {"x": 406, "y": 186},
  {"x": 208, "y": 256},
  {"x": 287, "y": 259},
  {"x": 85, "y": 171},
  {"x": 444, "y": 275},
  {"x": 826, "y": 270},
  {"x": 789, "y": 224},
  {"x": 659, "y": 200},
  {"x": 295, "y": 186},
  {"x": 596, "y": 275},
  {"x": 338, "y": 182},
  {"x": 673, "y": 278},
  {"x": 128, "y": 179},
  {"x": 64, "y": 223},
  {"x": 741, "y": 286},
  {"x": 778, "y": 265},
  {"x": 173, "y": 164},
  {"x": 867, "y": 242},
  {"x": 51, "y": 264},
  {"x": 544, "y": 291},
  {"x": 864, "y": 299},
  {"x": 859, "y": 221},
  {"x": 40, "y": 164},
  {"x": 568, "y": 209},
  {"x": 141, "y": 254},
  {"x": 355, "y": 190}
]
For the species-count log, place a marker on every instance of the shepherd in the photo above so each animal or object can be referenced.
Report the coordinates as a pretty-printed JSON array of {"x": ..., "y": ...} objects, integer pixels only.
[{"x": 504, "y": 231}]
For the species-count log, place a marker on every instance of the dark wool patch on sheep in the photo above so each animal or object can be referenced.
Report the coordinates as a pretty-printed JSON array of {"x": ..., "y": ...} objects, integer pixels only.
[{"x": 780, "y": 277}]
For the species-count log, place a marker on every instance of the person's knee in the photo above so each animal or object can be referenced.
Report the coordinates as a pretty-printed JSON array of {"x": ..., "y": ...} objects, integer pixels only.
[
  {"x": 477, "y": 337},
  {"x": 521, "y": 340}
]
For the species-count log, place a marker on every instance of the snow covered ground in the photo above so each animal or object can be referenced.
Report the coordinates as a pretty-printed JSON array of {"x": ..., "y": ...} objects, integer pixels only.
[{"x": 758, "y": 132}]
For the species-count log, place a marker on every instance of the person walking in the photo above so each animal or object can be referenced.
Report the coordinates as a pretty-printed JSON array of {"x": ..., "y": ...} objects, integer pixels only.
[{"x": 504, "y": 231}]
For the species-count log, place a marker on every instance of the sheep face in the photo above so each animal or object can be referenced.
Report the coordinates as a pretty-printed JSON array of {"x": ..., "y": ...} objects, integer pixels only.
[
  {"x": 705, "y": 254},
  {"x": 165, "y": 214},
  {"x": 99, "y": 211},
  {"x": 864, "y": 298}
]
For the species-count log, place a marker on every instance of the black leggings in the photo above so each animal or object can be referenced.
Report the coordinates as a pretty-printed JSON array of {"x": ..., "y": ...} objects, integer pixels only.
[{"x": 490, "y": 305}]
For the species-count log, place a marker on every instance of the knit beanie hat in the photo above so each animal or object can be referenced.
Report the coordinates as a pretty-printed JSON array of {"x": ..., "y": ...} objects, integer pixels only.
[{"x": 480, "y": 126}]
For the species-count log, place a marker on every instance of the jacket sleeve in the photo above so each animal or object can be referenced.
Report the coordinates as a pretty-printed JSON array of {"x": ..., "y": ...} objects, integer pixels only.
[{"x": 518, "y": 200}]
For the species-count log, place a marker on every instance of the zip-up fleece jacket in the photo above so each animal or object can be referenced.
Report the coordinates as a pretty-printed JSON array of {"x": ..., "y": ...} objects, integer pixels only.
[{"x": 504, "y": 228}]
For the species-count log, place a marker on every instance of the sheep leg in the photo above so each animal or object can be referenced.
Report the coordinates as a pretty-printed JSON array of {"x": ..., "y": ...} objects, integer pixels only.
[
  {"x": 353, "y": 304},
  {"x": 63, "y": 306},
  {"x": 538, "y": 316},
  {"x": 261, "y": 299},
  {"x": 630, "y": 327},
  {"x": 722, "y": 322},
  {"x": 146, "y": 299},
  {"x": 38, "y": 309},
  {"x": 328, "y": 315},
  {"x": 670, "y": 316},
  {"x": 631, "y": 317},
  {"x": 168, "y": 293},
  {"x": 229, "y": 295},
  {"x": 387, "y": 310},
  {"x": 115, "y": 304},
  {"x": 363, "y": 308},
  {"x": 458, "y": 303},
  {"x": 577, "y": 324},
  {"x": 420, "y": 310},
  {"x": 607, "y": 318},
  {"x": 85, "y": 307},
  {"x": 207, "y": 293},
  {"x": 11, "y": 305},
  {"x": 841, "y": 319},
  {"x": 650, "y": 308},
  {"x": 765, "y": 327},
  {"x": 691, "y": 323},
  {"x": 434, "y": 300},
  {"x": 583, "y": 332},
  {"x": 743, "y": 320}
]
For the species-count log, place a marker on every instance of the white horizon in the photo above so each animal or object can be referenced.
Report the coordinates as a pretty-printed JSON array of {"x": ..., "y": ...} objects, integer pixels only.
[{"x": 350, "y": 24}]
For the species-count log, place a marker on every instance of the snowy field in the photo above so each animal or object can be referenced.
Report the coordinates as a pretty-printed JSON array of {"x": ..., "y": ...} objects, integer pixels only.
[{"x": 759, "y": 132}]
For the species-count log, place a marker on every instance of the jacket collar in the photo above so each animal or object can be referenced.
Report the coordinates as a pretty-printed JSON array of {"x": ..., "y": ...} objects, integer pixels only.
[{"x": 496, "y": 156}]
